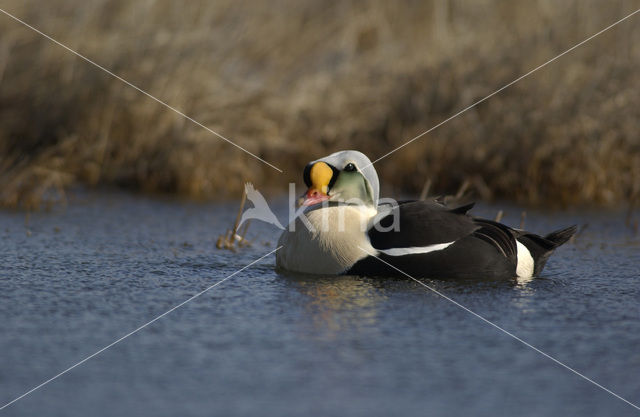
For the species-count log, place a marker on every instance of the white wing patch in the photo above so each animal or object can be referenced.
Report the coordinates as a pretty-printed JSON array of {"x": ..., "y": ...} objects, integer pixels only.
[
  {"x": 525, "y": 262},
  {"x": 413, "y": 250}
]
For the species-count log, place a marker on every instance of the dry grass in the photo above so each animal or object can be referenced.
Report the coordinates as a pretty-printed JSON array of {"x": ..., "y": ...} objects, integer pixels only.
[{"x": 294, "y": 80}]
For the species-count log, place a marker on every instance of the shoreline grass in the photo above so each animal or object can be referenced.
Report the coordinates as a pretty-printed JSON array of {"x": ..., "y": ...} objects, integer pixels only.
[{"x": 293, "y": 81}]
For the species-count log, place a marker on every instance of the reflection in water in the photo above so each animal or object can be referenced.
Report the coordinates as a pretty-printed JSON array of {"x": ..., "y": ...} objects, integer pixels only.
[
  {"x": 523, "y": 299},
  {"x": 338, "y": 304},
  {"x": 524, "y": 281}
]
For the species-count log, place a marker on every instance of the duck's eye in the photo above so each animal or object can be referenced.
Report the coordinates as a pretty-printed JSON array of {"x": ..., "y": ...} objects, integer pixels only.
[{"x": 350, "y": 167}]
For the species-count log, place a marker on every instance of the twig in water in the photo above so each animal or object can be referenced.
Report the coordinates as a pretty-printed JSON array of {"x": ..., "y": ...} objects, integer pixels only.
[
  {"x": 523, "y": 217},
  {"x": 243, "y": 241},
  {"x": 462, "y": 189},
  {"x": 231, "y": 237},
  {"x": 425, "y": 189}
]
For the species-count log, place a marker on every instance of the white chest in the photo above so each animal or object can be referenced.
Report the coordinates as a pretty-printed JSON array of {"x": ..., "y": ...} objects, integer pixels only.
[{"x": 335, "y": 241}]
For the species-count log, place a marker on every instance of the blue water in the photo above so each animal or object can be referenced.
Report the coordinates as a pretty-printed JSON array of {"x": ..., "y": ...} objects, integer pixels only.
[{"x": 75, "y": 279}]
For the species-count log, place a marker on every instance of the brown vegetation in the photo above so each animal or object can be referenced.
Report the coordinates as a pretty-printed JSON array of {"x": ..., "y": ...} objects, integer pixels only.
[{"x": 294, "y": 80}]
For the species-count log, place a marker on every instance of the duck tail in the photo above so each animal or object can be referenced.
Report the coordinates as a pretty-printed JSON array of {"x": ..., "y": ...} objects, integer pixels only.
[
  {"x": 541, "y": 247},
  {"x": 561, "y": 236}
]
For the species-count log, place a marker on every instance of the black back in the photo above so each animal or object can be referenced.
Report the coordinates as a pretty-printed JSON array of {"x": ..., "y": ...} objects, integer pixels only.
[
  {"x": 422, "y": 223},
  {"x": 481, "y": 248}
]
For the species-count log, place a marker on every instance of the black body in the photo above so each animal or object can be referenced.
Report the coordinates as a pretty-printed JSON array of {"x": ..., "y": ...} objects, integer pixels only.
[{"x": 482, "y": 248}]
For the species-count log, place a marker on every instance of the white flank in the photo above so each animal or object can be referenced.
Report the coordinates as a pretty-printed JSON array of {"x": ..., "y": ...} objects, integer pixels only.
[
  {"x": 525, "y": 262},
  {"x": 415, "y": 249}
]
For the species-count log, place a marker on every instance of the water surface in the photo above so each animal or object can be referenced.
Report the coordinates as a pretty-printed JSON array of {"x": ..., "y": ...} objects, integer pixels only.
[{"x": 75, "y": 279}]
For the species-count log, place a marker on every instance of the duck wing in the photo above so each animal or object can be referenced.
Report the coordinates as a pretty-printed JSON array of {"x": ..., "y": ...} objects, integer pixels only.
[
  {"x": 432, "y": 240},
  {"x": 420, "y": 224},
  {"x": 499, "y": 236}
]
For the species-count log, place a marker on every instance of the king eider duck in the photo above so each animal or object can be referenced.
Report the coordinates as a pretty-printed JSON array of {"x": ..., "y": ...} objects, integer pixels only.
[{"x": 343, "y": 229}]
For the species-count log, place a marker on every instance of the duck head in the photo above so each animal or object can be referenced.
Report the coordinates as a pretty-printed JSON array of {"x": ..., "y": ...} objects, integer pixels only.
[{"x": 343, "y": 177}]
